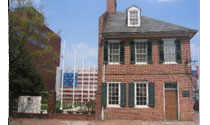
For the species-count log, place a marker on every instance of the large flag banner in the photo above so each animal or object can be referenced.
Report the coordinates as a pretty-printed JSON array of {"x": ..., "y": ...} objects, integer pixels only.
[
  {"x": 85, "y": 85},
  {"x": 69, "y": 79}
]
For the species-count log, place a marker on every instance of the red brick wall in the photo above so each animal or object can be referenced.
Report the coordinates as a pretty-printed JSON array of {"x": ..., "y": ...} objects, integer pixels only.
[
  {"x": 100, "y": 64},
  {"x": 156, "y": 73},
  {"x": 111, "y": 6},
  {"x": 46, "y": 64},
  {"x": 74, "y": 116}
]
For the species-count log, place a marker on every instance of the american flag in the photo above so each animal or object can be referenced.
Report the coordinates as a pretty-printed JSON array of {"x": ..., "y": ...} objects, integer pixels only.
[{"x": 84, "y": 89}]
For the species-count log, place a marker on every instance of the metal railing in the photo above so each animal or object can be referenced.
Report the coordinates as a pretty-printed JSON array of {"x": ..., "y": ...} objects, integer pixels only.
[{"x": 76, "y": 108}]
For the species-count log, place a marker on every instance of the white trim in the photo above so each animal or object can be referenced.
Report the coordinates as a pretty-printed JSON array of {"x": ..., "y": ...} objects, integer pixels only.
[
  {"x": 170, "y": 63},
  {"x": 112, "y": 63},
  {"x": 164, "y": 104},
  {"x": 147, "y": 87},
  {"x": 140, "y": 40},
  {"x": 139, "y": 16},
  {"x": 104, "y": 75},
  {"x": 111, "y": 105},
  {"x": 178, "y": 101},
  {"x": 169, "y": 39},
  {"x": 141, "y": 63},
  {"x": 102, "y": 113},
  {"x": 113, "y": 41},
  {"x": 144, "y": 106}
]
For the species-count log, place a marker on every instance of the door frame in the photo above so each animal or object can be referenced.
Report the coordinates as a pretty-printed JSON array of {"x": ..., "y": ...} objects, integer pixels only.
[{"x": 164, "y": 103}]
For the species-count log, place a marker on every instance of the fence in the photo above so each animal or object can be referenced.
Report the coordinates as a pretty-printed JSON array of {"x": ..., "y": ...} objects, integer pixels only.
[{"x": 76, "y": 108}]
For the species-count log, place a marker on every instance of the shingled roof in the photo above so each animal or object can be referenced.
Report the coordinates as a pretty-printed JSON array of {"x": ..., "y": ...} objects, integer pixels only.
[{"x": 116, "y": 23}]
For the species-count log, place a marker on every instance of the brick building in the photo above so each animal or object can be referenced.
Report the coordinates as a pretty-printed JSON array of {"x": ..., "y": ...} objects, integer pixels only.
[
  {"x": 143, "y": 67},
  {"x": 47, "y": 62}
]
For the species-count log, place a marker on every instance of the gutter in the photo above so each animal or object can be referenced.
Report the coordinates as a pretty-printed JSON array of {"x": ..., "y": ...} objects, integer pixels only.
[{"x": 189, "y": 34}]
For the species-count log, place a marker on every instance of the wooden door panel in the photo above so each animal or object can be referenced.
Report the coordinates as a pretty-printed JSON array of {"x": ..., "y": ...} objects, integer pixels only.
[{"x": 171, "y": 105}]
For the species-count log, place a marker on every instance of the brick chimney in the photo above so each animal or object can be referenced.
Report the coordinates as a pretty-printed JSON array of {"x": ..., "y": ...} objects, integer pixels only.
[{"x": 111, "y": 6}]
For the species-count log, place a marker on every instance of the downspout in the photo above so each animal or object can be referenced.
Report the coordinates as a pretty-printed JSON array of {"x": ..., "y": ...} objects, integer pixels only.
[
  {"x": 102, "y": 112},
  {"x": 103, "y": 80}
]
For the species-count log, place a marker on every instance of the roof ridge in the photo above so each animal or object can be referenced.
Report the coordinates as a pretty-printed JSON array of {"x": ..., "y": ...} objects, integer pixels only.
[{"x": 116, "y": 23}]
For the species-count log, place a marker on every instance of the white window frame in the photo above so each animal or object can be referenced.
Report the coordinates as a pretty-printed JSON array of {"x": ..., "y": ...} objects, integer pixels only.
[
  {"x": 119, "y": 88},
  {"x": 165, "y": 40},
  {"x": 135, "y": 94},
  {"x": 139, "y": 14},
  {"x": 136, "y": 41},
  {"x": 113, "y": 41}
]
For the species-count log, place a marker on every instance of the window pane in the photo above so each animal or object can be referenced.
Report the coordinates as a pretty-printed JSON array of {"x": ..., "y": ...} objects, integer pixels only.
[
  {"x": 169, "y": 51},
  {"x": 133, "y": 17},
  {"x": 114, "y": 52},
  {"x": 171, "y": 85},
  {"x": 141, "y": 52},
  {"x": 113, "y": 93},
  {"x": 141, "y": 94}
]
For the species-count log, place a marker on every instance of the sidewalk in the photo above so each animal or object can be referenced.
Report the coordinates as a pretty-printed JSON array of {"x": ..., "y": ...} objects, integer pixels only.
[{"x": 108, "y": 122}]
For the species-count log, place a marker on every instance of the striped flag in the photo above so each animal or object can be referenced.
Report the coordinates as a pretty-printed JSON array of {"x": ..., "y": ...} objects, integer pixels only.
[{"x": 80, "y": 89}]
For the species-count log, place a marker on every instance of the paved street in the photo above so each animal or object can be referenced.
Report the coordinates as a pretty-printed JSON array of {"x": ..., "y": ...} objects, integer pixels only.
[{"x": 110, "y": 122}]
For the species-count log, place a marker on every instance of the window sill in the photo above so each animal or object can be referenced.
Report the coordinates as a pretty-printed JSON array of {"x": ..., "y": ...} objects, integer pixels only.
[
  {"x": 131, "y": 26},
  {"x": 170, "y": 63},
  {"x": 141, "y": 63},
  {"x": 113, "y": 63},
  {"x": 140, "y": 107},
  {"x": 113, "y": 106}
]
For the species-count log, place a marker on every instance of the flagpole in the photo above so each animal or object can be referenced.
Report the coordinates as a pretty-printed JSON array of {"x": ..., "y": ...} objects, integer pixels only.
[
  {"x": 63, "y": 54},
  {"x": 89, "y": 83},
  {"x": 74, "y": 76},
  {"x": 82, "y": 76},
  {"x": 93, "y": 81}
]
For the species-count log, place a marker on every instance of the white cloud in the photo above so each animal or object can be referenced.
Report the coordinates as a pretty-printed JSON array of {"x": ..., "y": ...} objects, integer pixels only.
[{"x": 82, "y": 48}]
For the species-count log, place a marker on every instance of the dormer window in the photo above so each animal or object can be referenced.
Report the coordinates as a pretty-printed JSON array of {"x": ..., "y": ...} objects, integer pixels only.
[
  {"x": 133, "y": 14},
  {"x": 134, "y": 17}
]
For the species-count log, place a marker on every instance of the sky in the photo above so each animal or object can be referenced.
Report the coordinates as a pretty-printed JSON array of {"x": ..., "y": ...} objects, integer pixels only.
[{"x": 78, "y": 22}]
